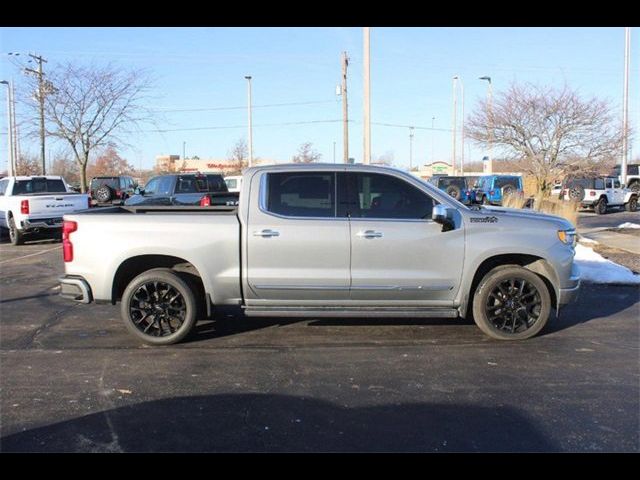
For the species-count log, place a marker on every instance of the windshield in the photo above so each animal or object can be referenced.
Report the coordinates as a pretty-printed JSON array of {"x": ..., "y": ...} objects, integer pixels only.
[{"x": 38, "y": 185}]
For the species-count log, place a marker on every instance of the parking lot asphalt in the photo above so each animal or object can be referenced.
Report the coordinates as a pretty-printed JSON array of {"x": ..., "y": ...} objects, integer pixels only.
[{"x": 73, "y": 379}]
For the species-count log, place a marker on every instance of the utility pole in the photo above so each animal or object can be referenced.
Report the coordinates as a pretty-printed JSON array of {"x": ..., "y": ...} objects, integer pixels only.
[
  {"x": 410, "y": 148},
  {"x": 334, "y": 152},
  {"x": 625, "y": 108},
  {"x": 40, "y": 94},
  {"x": 184, "y": 146},
  {"x": 248, "y": 77},
  {"x": 10, "y": 170},
  {"x": 453, "y": 129},
  {"x": 462, "y": 127},
  {"x": 490, "y": 120},
  {"x": 15, "y": 154},
  {"x": 367, "y": 96},
  {"x": 345, "y": 112}
]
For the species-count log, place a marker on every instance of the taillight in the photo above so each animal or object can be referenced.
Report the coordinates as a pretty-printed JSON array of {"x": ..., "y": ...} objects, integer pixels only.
[
  {"x": 592, "y": 193},
  {"x": 118, "y": 193},
  {"x": 205, "y": 201},
  {"x": 68, "y": 227},
  {"x": 492, "y": 192},
  {"x": 24, "y": 207}
]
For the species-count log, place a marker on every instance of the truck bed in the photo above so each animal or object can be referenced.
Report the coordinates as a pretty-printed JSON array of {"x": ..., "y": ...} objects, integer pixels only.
[{"x": 150, "y": 209}]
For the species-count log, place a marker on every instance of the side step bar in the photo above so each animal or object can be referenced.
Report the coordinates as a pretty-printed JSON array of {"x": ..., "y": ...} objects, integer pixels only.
[{"x": 351, "y": 312}]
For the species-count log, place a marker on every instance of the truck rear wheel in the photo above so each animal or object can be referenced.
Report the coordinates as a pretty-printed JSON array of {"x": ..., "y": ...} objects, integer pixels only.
[
  {"x": 159, "y": 307},
  {"x": 15, "y": 236},
  {"x": 511, "y": 303},
  {"x": 631, "y": 205}
]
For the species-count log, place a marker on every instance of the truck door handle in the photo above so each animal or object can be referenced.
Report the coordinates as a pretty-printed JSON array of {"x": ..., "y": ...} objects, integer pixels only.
[
  {"x": 266, "y": 233},
  {"x": 369, "y": 234}
]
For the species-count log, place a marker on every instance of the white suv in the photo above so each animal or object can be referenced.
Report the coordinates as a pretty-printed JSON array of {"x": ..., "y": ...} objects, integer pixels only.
[{"x": 599, "y": 193}]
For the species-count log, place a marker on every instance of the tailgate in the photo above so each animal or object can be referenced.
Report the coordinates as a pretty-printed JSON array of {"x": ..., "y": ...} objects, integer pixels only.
[{"x": 56, "y": 205}]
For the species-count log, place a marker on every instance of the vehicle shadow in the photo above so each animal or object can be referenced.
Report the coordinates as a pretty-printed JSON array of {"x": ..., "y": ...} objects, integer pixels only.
[
  {"x": 283, "y": 423},
  {"x": 595, "y": 301}
]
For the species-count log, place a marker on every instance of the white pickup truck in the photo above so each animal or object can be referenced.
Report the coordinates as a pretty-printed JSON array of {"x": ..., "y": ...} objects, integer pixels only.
[{"x": 36, "y": 204}]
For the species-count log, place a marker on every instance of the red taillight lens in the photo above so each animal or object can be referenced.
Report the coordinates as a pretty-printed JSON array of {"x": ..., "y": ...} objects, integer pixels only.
[
  {"x": 592, "y": 194},
  {"x": 118, "y": 193},
  {"x": 24, "y": 207},
  {"x": 68, "y": 227},
  {"x": 205, "y": 201}
]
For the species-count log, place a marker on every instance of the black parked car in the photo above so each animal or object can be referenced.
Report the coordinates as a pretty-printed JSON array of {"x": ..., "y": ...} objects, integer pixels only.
[
  {"x": 111, "y": 190},
  {"x": 184, "y": 189}
]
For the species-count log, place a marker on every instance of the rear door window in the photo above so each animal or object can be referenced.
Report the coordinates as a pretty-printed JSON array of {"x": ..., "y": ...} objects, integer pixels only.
[
  {"x": 598, "y": 184},
  {"x": 3, "y": 186}
]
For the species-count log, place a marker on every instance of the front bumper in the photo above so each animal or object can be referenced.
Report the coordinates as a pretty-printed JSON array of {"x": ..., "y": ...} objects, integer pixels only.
[
  {"x": 571, "y": 291},
  {"x": 75, "y": 288}
]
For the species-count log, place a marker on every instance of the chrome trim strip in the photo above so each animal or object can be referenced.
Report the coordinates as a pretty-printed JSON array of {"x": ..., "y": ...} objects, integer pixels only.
[{"x": 301, "y": 287}]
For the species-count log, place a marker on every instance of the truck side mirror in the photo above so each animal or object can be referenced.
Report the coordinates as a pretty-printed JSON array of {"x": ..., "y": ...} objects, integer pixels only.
[{"x": 441, "y": 215}]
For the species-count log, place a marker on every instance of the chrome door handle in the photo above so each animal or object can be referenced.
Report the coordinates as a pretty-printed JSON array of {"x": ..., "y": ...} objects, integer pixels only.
[
  {"x": 266, "y": 233},
  {"x": 369, "y": 234}
]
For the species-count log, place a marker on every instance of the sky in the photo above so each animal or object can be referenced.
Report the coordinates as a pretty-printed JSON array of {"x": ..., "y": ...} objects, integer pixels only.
[{"x": 200, "y": 93}]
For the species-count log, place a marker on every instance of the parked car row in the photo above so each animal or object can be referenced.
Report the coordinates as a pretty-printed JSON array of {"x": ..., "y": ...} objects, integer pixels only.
[{"x": 487, "y": 189}]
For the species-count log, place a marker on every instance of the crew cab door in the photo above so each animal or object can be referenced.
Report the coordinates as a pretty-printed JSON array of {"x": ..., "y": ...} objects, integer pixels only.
[
  {"x": 616, "y": 191},
  {"x": 297, "y": 250},
  {"x": 398, "y": 254}
]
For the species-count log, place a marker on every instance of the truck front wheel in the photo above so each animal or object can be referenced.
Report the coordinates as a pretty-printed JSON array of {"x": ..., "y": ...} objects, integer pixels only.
[
  {"x": 158, "y": 307},
  {"x": 511, "y": 303}
]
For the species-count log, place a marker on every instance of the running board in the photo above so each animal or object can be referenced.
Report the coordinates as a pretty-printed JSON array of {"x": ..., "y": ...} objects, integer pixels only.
[{"x": 351, "y": 312}]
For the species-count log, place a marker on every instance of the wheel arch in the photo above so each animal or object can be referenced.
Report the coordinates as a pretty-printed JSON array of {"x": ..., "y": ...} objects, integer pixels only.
[
  {"x": 134, "y": 266},
  {"x": 533, "y": 263}
]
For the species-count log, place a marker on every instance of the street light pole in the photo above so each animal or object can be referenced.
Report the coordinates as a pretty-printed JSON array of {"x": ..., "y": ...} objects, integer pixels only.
[
  {"x": 248, "y": 77},
  {"x": 453, "y": 129},
  {"x": 490, "y": 119},
  {"x": 10, "y": 169},
  {"x": 625, "y": 108},
  {"x": 462, "y": 127}
]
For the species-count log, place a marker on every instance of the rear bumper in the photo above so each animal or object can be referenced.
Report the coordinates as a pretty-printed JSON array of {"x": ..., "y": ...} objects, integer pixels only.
[
  {"x": 75, "y": 288},
  {"x": 41, "y": 223}
]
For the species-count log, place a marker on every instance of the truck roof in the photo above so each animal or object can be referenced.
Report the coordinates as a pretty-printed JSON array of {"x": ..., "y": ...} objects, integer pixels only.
[
  {"x": 29, "y": 177},
  {"x": 326, "y": 165}
]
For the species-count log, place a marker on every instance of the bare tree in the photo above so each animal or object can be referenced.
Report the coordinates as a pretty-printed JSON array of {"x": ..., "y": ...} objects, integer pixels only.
[
  {"x": 109, "y": 162},
  {"x": 306, "y": 154},
  {"x": 385, "y": 159},
  {"x": 91, "y": 107},
  {"x": 28, "y": 164},
  {"x": 238, "y": 157},
  {"x": 548, "y": 131},
  {"x": 66, "y": 167}
]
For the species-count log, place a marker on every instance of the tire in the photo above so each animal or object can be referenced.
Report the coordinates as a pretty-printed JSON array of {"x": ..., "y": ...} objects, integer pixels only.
[
  {"x": 508, "y": 190},
  {"x": 576, "y": 193},
  {"x": 164, "y": 329},
  {"x": 485, "y": 200},
  {"x": 631, "y": 205},
  {"x": 601, "y": 207},
  {"x": 454, "y": 191},
  {"x": 15, "y": 236},
  {"x": 509, "y": 323},
  {"x": 104, "y": 194}
]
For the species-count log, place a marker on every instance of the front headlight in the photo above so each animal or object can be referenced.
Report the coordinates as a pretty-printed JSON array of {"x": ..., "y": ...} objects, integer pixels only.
[{"x": 568, "y": 237}]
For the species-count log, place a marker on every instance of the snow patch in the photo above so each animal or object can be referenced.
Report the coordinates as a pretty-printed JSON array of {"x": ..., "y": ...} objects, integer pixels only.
[
  {"x": 597, "y": 269},
  {"x": 628, "y": 225}
]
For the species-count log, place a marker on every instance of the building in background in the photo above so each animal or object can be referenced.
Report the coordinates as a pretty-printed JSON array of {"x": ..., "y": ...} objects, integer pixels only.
[{"x": 174, "y": 163}]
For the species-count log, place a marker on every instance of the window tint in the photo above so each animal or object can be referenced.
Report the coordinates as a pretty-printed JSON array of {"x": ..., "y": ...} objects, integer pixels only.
[
  {"x": 598, "y": 184},
  {"x": 110, "y": 182},
  {"x": 632, "y": 169},
  {"x": 457, "y": 181},
  {"x": 216, "y": 183},
  {"x": 502, "y": 181},
  {"x": 375, "y": 195},
  {"x": 309, "y": 194},
  {"x": 186, "y": 185},
  {"x": 616, "y": 184},
  {"x": 38, "y": 185},
  {"x": 152, "y": 186},
  {"x": 3, "y": 186}
]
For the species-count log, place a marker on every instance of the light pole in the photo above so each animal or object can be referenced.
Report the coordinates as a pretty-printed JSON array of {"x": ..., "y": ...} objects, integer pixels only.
[
  {"x": 455, "y": 123},
  {"x": 334, "y": 152},
  {"x": 625, "y": 108},
  {"x": 410, "y": 148},
  {"x": 490, "y": 119},
  {"x": 367, "y": 96},
  {"x": 10, "y": 169},
  {"x": 184, "y": 147},
  {"x": 248, "y": 77},
  {"x": 462, "y": 127}
]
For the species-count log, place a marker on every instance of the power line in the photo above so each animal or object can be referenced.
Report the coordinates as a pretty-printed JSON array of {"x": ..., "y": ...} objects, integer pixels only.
[
  {"x": 211, "y": 109},
  {"x": 163, "y": 130}
]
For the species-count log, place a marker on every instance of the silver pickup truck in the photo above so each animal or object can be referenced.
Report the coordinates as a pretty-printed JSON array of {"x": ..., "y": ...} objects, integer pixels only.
[{"x": 323, "y": 240}]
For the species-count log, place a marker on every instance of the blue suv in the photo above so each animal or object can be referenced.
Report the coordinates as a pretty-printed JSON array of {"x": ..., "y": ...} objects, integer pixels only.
[
  {"x": 490, "y": 189},
  {"x": 457, "y": 187}
]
